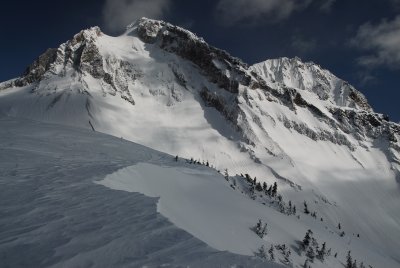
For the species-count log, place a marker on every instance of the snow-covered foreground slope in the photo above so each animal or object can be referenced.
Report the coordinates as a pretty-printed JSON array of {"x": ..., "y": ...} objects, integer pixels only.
[
  {"x": 54, "y": 214},
  {"x": 56, "y": 209},
  {"x": 280, "y": 120}
]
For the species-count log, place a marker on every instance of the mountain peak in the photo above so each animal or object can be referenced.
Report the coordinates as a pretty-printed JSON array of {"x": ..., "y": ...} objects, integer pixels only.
[{"x": 311, "y": 77}]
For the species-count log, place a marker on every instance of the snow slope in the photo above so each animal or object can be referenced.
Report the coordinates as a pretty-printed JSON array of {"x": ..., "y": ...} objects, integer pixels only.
[
  {"x": 281, "y": 120},
  {"x": 54, "y": 214}
]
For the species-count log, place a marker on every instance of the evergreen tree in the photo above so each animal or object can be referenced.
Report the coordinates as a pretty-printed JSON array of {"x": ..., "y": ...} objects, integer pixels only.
[
  {"x": 226, "y": 174},
  {"x": 207, "y": 164},
  {"x": 307, "y": 239},
  {"x": 265, "y": 188},
  {"x": 294, "y": 210},
  {"x": 260, "y": 229},
  {"x": 176, "y": 158},
  {"x": 258, "y": 187},
  {"x": 349, "y": 260},
  {"x": 261, "y": 253},
  {"x": 310, "y": 254},
  {"x": 306, "y": 211},
  {"x": 275, "y": 189},
  {"x": 255, "y": 181},
  {"x": 362, "y": 265},
  {"x": 286, "y": 257},
  {"x": 271, "y": 253},
  {"x": 322, "y": 252},
  {"x": 269, "y": 192},
  {"x": 355, "y": 264},
  {"x": 339, "y": 226}
]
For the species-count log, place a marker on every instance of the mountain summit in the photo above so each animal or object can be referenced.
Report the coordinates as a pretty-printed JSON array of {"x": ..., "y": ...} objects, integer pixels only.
[{"x": 279, "y": 120}]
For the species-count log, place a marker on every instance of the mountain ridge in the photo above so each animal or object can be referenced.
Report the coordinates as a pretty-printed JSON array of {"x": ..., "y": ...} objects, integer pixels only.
[{"x": 162, "y": 86}]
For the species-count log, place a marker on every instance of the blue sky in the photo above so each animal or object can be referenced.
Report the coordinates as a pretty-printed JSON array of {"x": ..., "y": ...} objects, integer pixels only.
[{"x": 359, "y": 41}]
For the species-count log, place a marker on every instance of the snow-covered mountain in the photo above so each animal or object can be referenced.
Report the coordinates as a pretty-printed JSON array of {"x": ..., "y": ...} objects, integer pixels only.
[{"x": 280, "y": 120}]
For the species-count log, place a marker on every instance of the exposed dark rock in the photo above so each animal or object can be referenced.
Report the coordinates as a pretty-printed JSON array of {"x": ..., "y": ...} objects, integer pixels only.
[{"x": 38, "y": 68}]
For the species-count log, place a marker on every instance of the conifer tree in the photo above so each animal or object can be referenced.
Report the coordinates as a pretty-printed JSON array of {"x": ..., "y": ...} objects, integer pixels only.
[
  {"x": 271, "y": 253},
  {"x": 306, "y": 211},
  {"x": 258, "y": 187},
  {"x": 226, "y": 174},
  {"x": 265, "y": 188},
  {"x": 275, "y": 189},
  {"x": 310, "y": 254},
  {"x": 269, "y": 192},
  {"x": 322, "y": 252},
  {"x": 349, "y": 260},
  {"x": 307, "y": 239},
  {"x": 261, "y": 253}
]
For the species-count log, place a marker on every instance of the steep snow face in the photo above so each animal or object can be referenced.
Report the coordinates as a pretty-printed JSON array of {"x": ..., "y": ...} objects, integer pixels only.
[
  {"x": 311, "y": 77},
  {"x": 282, "y": 120}
]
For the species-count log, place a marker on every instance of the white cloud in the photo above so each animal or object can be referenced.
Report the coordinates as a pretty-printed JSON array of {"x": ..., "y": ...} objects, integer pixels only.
[
  {"x": 326, "y": 5},
  {"x": 382, "y": 41},
  {"x": 230, "y": 12},
  {"x": 119, "y": 13}
]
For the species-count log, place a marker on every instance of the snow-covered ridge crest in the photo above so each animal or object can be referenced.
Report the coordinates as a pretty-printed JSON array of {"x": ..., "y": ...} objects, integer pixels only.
[{"x": 313, "y": 78}]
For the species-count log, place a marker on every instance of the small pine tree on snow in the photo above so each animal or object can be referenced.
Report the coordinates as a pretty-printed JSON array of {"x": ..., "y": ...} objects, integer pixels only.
[
  {"x": 306, "y": 211},
  {"x": 339, "y": 226},
  {"x": 255, "y": 181},
  {"x": 176, "y": 158},
  {"x": 261, "y": 253},
  {"x": 269, "y": 192},
  {"x": 258, "y": 187},
  {"x": 275, "y": 189},
  {"x": 248, "y": 178},
  {"x": 294, "y": 210},
  {"x": 290, "y": 206},
  {"x": 336, "y": 255},
  {"x": 191, "y": 161},
  {"x": 362, "y": 265},
  {"x": 306, "y": 240},
  {"x": 271, "y": 253},
  {"x": 286, "y": 257},
  {"x": 226, "y": 175},
  {"x": 310, "y": 254},
  {"x": 207, "y": 164},
  {"x": 349, "y": 260},
  {"x": 260, "y": 229},
  {"x": 265, "y": 188},
  {"x": 234, "y": 182},
  {"x": 322, "y": 252}
]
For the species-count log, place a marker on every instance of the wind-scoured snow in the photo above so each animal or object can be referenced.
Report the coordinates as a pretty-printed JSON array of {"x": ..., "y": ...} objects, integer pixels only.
[{"x": 54, "y": 214}]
